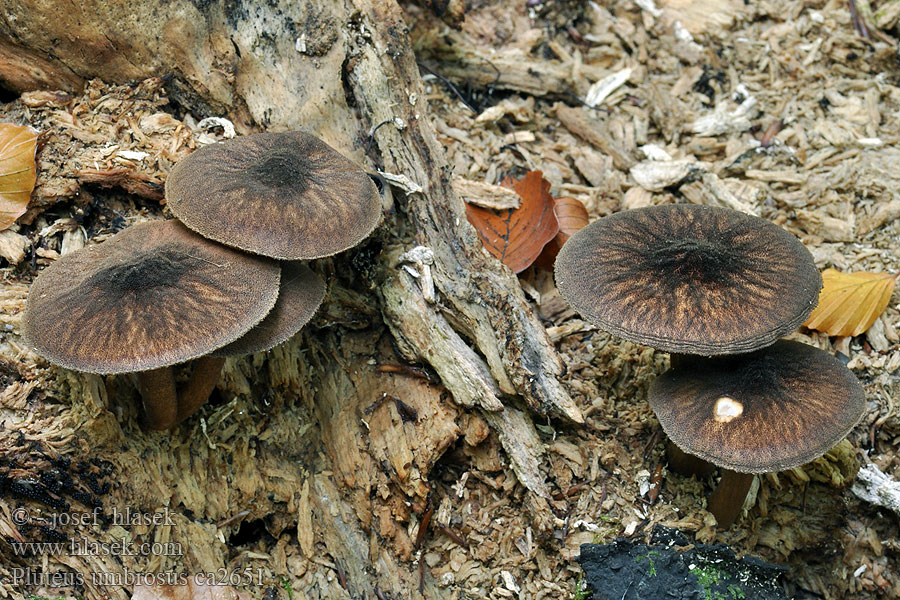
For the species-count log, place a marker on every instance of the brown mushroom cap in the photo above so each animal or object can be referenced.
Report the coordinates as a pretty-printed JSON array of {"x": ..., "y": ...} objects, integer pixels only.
[
  {"x": 285, "y": 195},
  {"x": 770, "y": 410},
  {"x": 302, "y": 291},
  {"x": 689, "y": 279},
  {"x": 153, "y": 295}
]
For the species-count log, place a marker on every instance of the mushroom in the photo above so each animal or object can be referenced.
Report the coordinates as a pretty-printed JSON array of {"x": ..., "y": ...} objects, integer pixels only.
[
  {"x": 699, "y": 280},
  {"x": 152, "y": 296},
  {"x": 689, "y": 279},
  {"x": 300, "y": 293},
  {"x": 769, "y": 410},
  {"x": 285, "y": 195}
]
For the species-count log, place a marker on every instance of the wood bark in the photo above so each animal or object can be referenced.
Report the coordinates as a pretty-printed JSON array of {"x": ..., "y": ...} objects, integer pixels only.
[{"x": 345, "y": 71}]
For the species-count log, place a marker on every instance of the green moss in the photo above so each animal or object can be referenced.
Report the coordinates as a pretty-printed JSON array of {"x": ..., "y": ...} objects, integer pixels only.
[
  {"x": 649, "y": 557},
  {"x": 581, "y": 590},
  {"x": 707, "y": 577},
  {"x": 286, "y": 584}
]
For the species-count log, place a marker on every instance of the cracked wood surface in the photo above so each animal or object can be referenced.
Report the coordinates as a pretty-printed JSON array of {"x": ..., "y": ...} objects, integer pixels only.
[{"x": 283, "y": 66}]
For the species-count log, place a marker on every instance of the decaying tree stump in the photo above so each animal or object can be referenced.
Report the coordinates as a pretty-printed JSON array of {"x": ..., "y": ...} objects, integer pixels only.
[{"x": 308, "y": 440}]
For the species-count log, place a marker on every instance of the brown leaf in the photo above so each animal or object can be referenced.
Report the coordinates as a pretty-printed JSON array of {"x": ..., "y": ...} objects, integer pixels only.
[
  {"x": 517, "y": 236},
  {"x": 572, "y": 216},
  {"x": 850, "y": 302},
  {"x": 17, "y": 171}
]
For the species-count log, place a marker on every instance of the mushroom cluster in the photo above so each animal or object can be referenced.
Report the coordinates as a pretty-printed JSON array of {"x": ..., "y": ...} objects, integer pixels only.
[
  {"x": 717, "y": 288},
  {"x": 221, "y": 281}
]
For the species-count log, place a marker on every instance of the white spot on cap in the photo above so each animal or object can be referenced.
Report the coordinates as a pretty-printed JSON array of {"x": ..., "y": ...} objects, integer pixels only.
[{"x": 727, "y": 409}]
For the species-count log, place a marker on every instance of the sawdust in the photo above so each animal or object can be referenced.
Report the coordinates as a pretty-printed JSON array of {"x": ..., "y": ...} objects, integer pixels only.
[
  {"x": 824, "y": 175},
  {"x": 706, "y": 83}
]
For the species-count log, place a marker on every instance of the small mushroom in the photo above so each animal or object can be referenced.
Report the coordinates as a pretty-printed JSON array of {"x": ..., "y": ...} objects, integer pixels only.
[
  {"x": 152, "y": 296},
  {"x": 285, "y": 195},
  {"x": 769, "y": 410},
  {"x": 689, "y": 279},
  {"x": 301, "y": 293}
]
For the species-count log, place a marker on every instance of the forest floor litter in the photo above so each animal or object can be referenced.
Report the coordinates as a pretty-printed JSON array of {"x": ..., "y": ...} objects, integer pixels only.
[{"x": 779, "y": 110}]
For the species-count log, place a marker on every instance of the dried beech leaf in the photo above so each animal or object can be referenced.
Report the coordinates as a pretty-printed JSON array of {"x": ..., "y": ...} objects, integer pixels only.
[
  {"x": 517, "y": 236},
  {"x": 850, "y": 302},
  {"x": 17, "y": 171},
  {"x": 572, "y": 216}
]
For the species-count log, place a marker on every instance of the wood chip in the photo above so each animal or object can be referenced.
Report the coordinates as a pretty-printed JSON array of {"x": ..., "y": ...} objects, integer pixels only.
[
  {"x": 12, "y": 246},
  {"x": 792, "y": 177},
  {"x": 654, "y": 175},
  {"x": 884, "y": 213},
  {"x": 580, "y": 124},
  {"x": 486, "y": 195}
]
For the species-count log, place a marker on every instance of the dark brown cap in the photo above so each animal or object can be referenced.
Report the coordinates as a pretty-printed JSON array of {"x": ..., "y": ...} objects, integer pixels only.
[
  {"x": 302, "y": 291},
  {"x": 153, "y": 295},
  {"x": 689, "y": 279},
  {"x": 770, "y": 410},
  {"x": 285, "y": 195}
]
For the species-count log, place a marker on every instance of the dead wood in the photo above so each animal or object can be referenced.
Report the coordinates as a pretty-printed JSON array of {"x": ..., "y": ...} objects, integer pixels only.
[
  {"x": 468, "y": 63},
  {"x": 451, "y": 12},
  {"x": 486, "y": 298},
  {"x": 593, "y": 132},
  {"x": 297, "y": 470},
  {"x": 295, "y": 441}
]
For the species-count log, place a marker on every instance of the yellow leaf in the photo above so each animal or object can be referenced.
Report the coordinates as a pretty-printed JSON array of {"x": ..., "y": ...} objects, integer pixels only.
[
  {"x": 17, "y": 171},
  {"x": 850, "y": 302}
]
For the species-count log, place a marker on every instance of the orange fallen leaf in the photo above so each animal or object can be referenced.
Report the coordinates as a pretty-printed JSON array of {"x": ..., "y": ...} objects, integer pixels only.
[
  {"x": 517, "y": 236},
  {"x": 17, "y": 171},
  {"x": 572, "y": 216},
  {"x": 850, "y": 302}
]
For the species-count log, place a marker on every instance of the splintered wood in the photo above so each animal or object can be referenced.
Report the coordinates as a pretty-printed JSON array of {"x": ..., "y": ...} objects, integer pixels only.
[
  {"x": 782, "y": 113},
  {"x": 334, "y": 467}
]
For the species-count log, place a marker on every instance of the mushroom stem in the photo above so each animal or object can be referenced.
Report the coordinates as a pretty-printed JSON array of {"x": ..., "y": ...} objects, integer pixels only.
[
  {"x": 675, "y": 359},
  {"x": 687, "y": 464},
  {"x": 158, "y": 394},
  {"x": 195, "y": 393},
  {"x": 726, "y": 501}
]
